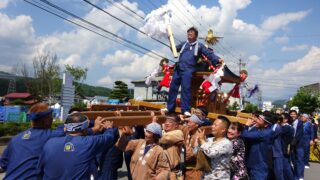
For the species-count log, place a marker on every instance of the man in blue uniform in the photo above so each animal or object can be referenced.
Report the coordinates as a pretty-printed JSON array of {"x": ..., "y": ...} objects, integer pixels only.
[
  {"x": 21, "y": 156},
  {"x": 110, "y": 160},
  {"x": 286, "y": 136},
  {"x": 70, "y": 157},
  {"x": 277, "y": 153},
  {"x": 297, "y": 149},
  {"x": 190, "y": 51},
  {"x": 258, "y": 139},
  {"x": 307, "y": 138}
]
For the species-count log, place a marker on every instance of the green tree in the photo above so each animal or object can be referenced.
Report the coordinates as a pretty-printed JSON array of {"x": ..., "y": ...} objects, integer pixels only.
[
  {"x": 79, "y": 74},
  {"x": 80, "y": 105},
  {"x": 250, "y": 108},
  {"x": 119, "y": 91},
  {"x": 17, "y": 102},
  {"x": 42, "y": 81},
  {"x": 235, "y": 106},
  {"x": 306, "y": 101}
]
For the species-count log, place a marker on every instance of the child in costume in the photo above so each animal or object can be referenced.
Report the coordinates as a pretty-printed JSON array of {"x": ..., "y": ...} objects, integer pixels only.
[
  {"x": 163, "y": 67},
  {"x": 167, "y": 76}
]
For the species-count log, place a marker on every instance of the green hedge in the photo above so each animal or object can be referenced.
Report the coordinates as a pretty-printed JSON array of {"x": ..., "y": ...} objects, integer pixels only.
[{"x": 13, "y": 128}]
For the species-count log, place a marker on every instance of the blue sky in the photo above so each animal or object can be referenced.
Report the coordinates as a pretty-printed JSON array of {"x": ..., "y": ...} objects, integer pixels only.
[{"x": 279, "y": 40}]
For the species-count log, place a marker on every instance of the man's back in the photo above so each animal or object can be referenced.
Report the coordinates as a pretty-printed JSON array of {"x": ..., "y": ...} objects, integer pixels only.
[
  {"x": 70, "y": 157},
  {"x": 23, "y": 152},
  {"x": 259, "y": 141}
]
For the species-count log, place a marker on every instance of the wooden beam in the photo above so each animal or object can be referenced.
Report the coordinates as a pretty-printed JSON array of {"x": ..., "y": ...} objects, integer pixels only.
[
  {"x": 151, "y": 105},
  {"x": 112, "y": 107},
  {"x": 244, "y": 115},
  {"x": 94, "y": 114},
  {"x": 213, "y": 116},
  {"x": 134, "y": 120}
]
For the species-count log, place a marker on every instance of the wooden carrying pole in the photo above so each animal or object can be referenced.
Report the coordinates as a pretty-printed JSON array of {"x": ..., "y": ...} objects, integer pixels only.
[
  {"x": 134, "y": 120},
  {"x": 92, "y": 115},
  {"x": 171, "y": 40}
]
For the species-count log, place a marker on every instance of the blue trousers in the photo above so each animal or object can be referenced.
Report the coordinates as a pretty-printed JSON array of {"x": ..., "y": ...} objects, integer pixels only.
[
  {"x": 278, "y": 168},
  {"x": 182, "y": 78},
  {"x": 306, "y": 154},
  {"x": 258, "y": 174},
  {"x": 298, "y": 162},
  {"x": 287, "y": 169}
]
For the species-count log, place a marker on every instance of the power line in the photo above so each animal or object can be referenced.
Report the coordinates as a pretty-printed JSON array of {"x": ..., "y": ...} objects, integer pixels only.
[
  {"x": 124, "y": 22},
  {"x": 94, "y": 26},
  {"x": 100, "y": 28},
  {"x": 46, "y": 8},
  {"x": 137, "y": 16},
  {"x": 141, "y": 18}
]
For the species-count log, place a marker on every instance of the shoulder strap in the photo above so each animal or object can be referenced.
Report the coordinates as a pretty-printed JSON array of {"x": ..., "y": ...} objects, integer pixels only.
[{"x": 183, "y": 46}]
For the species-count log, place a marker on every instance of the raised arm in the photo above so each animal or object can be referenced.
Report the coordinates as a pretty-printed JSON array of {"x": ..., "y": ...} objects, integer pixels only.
[
  {"x": 257, "y": 135},
  {"x": 209, "y": 54}
]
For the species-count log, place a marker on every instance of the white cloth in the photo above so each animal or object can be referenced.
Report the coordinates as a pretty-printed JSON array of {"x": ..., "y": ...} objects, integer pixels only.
[
  {"x": 156, "y": 22},
  {"x": 153, "y": 75}
]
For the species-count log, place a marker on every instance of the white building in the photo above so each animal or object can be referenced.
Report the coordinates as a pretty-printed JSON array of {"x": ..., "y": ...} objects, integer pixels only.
[
  {"x": 267, "y": 106},
  {"x": 148, "y": 93},
  {"x": 99, "y": 100}
]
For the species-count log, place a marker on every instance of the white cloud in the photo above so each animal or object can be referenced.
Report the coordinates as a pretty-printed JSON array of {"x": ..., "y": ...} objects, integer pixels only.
[
  {"x": 5, "y": 68},
  {"x": 4, "y": 3},
  {"x": 17, "y": 39},
  {"x": 253, "y": 59},
  {"x": 284, "y": 81},
  {"x": 281, "y": 40},
  {"x": 295, "y": 48},
  {"x": 126, "y": 66},
  {"x": 71, "y": 60},
  {"x": 229, "y": 11},
  {"x": 281, "y": 20},
  {"x": 119, "y": 58},
  {"x": 106, "y": 81}
]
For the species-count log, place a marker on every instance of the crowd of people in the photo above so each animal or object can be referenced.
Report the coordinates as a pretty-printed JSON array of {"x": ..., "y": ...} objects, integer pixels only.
[
  {"x": 269, "y": 146},
  {"x": 185, "y": 147}
]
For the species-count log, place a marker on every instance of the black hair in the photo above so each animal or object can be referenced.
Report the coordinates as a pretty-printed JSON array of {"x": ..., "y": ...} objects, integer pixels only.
[
  {"x": 286, "y": 116},
  {"x": 195, "y": 30},
  {"x": 162, "y": 61},
  {"x": 293, "y": 111},
  {"x": 257, "y": 113},
  {"x": 73, "y": 110},
  {"x": 76, "y": 118},
  {"x": 270, "y": 117},
  {"x": 279, "y": 118},
  {"x": 203, "y": 109},
  {"x": 238, "y": 125},
  {"x": 174, "y": 117},
  {"x": 225, "y": 121}
]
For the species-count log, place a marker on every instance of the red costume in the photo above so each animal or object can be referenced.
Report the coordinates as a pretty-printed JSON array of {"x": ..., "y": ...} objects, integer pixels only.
[{"x": 166, "y": 79}]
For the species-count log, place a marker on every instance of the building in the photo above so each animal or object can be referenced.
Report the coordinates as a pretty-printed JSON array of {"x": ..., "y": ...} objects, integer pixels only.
[
  {"x": 267, "y": 106},
  {"x": 149, "y": 93},
  {"x": 25, "y": 98}
]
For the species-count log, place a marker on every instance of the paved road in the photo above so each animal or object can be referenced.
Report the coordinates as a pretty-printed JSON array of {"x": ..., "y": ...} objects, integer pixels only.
[{"x": 310, "y": 174}]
